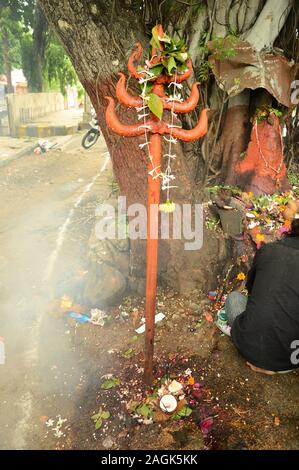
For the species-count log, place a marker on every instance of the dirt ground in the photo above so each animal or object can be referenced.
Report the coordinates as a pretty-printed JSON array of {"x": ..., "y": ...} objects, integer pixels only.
[
  {"x": 50, "y": 385},
  {"x": 249, "y": 411}
]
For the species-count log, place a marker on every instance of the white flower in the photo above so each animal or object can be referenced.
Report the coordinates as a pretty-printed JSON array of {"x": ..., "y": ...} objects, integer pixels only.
[{"x": 50, "y": 423}]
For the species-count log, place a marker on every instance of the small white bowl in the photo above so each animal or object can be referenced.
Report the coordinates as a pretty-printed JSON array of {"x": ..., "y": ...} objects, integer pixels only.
[{"x": 168, "y": 403}]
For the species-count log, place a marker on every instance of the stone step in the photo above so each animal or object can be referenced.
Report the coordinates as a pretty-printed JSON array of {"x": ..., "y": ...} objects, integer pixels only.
[{"x": 45, "y": 130}]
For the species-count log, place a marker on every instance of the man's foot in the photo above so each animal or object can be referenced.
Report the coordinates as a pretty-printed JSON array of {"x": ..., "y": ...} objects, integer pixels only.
[
  {"x": 221, "y": 322},
  {"x": 261, "y": 371}
]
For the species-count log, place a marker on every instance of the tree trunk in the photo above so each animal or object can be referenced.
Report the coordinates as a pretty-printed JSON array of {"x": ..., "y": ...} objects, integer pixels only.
[
  {"x": 6, "y": 60},
  {"x": 99, "y": 41},
  {"x": 99, "y": 36},
  {"x": 39, "y": 47},
  {"x": 236, "y": 130}
]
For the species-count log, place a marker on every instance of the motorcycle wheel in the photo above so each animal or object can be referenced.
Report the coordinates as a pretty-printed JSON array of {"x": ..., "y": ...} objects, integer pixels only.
[{"x": 90, "y": 138}]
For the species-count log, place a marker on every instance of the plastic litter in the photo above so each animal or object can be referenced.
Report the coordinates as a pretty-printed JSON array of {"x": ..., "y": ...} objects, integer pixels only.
[
  {"x": 212, "y": 295},
  {"x": 79, "y": 317},
  {"x": 97, "y": 317},
  {"x": 158, "y": 317}
]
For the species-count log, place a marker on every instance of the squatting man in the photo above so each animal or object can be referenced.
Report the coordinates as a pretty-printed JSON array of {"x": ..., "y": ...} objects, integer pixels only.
[{"x": 264, "y": 326}]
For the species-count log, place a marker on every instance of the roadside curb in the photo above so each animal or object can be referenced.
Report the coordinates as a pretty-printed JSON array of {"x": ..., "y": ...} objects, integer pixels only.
[{"x": 22, "y": 153}]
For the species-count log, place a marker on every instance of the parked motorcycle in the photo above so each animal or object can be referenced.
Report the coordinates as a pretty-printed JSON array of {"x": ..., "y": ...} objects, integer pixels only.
[{"x": 92, "y": 135}]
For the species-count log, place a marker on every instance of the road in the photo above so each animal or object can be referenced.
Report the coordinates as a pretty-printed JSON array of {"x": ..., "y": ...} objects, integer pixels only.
[{"x": 47, "y": 214}]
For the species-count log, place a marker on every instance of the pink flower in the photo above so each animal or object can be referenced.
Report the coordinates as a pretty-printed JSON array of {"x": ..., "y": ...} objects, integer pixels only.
[{"x": 206, "y": 424}]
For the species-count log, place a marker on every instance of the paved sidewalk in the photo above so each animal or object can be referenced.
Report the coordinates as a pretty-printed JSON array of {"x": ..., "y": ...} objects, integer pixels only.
[{"x": 55, "y": 124}]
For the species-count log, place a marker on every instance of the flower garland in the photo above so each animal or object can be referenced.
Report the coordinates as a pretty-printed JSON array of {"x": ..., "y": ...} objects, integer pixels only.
[{"x": 167, "y": 177}]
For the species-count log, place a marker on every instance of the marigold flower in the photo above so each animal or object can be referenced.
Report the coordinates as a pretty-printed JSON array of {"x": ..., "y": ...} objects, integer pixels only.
[
  {"x": 191, "y": 380},
  {"x": 167, "y": 207},
  {"x": 260, "y": 237},
  {"x": 241, "y": 277}
]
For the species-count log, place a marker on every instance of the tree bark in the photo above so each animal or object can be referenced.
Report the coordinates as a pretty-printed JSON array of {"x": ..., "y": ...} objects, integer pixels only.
[
  {"x": 99, "y": 40},
  {"x": 269, "y": 24},
  {"x": 236, "y": 130},
  {"x": 39, "y": 47},
  {"x": 6, "y": 60}
]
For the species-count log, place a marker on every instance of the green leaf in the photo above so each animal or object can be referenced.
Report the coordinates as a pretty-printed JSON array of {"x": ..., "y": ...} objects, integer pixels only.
[
  {"x": 183, "y": 413},
  {"x": 134, "y": 339},
  {"x": 166, "y": 39},
  {"x": 182, "y": 67},
  {"x": 127, "y": 354},
  {"x": 155, "y": 105},
  {"x": 181, "y": 56},
  {"x": 96, "y": 417},
  {"x": 157, "y": 69},
  {"x": 110, "y": 383},
  {"x": 145, "y": 411},
  {"x": 171, "y": 64},
  {"x": 155, "y": 39},
  {"x": 105, "y": 415},
  {"x": 132, "y": 405},
  {"x": 98, "y": 424}
]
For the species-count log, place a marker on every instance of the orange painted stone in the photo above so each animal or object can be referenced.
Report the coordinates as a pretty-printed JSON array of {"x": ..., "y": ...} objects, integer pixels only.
[{"x": 263, "y": 171}]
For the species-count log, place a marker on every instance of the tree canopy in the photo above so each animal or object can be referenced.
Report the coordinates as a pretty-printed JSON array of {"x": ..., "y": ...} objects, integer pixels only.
[{"x": 27, "y": 42}]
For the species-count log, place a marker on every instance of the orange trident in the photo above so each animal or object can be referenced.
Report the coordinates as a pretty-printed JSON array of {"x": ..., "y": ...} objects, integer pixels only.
[{"x": 156, "y": 128}]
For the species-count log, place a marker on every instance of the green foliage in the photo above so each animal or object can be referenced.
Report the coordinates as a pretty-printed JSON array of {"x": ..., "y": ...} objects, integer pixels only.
[
  {"x": 224, "y": 48},
  {"x": 204, "y": 71},
  {"x": 99, "y": 417},
  {"x": 145, "y": 411},
  {"x": 23, "y": 23},
  {"x": 263, "y": 113},
  {"x": 212, "y": 223},
  {"x": 234, "y": 190},
  {"x": 173, "y": 57},
  {"x": 155, "y": 105},
  {"x": 10, "y": 30},
  {"x": 58, "y": 69},
  {"x": 110, "y": 383},
  {"x": 183, "y": 413},
  {"x": 129, "y": 353},
  {"x": 27, "y": 55},
  {"x": 293, "y": 176}
]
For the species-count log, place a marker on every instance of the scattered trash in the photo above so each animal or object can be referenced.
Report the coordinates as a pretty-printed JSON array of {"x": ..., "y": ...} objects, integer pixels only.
[
  {"x": 212, "y": 295},
  {"x": 222, "y": 322},
  {"x": 98, "y": 317},
  {"x": 158, "y": 317},
  {"x": 209, "y": 317},
  {"x": 79, "y": 317},
  {"x": 43, "y": 146},
  {"x": 66, "y": 302}
]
